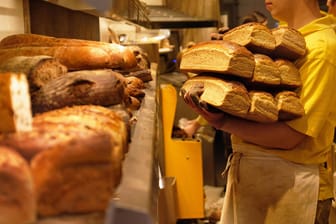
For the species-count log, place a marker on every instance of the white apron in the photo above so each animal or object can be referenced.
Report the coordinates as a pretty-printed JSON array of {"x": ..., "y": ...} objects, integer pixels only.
[{"x": 265, "y": 189}]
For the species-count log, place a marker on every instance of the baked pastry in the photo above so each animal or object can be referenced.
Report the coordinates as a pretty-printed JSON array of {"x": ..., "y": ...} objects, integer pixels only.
[
  {"x": 289, "y": 105},
  {"x": 289, "y": 43},
  {"x": 263, "y": 107},
  {"x": 218, "y": 56},
  {"x": 256, "y": 37},
  {"x": 15, "y": 104},
  {"x": 17, "y": 196},
  {"x": 76, "y": 54},
  {"x": 228, "y": 96},
  {"x": 289, "y": 74},
  {"x": 266, "y": 72}
]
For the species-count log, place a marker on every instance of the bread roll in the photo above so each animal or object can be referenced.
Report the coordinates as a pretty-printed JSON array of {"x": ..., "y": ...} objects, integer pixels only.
[
  {"x": 289, "y": 43},
  {"x": 254, "y": 36},
  {"x": 218, "y": 56},
  {"x": 289, "y": 74},
  {"x": 228, "y": 96},
  {"x": 263, "y": 107},
  {"x": 266, "y": 72},
  {"x": 289, "y": 105},
  {"x": 17, "y": 197},
  {"x": 15, "y": 104},
  {"x": 74, "y": 53}
]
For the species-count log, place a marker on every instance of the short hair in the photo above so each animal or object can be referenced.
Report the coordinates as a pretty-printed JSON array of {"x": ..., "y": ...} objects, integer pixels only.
[{"x": 255, "y": 16}]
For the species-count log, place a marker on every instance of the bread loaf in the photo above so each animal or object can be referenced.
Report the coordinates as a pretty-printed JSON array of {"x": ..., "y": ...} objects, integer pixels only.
[
  {"x": 39, "y": 69},
  {"x": 263, "y": 107},
  {"x": 254, "y": 36},
  {"x": 289, "y": 43},
  {"x": 218, "y": 56},
  {"x": 74, "y": 53},
  {"x": 289, "y": 105},
  {"x": 74, "y": 177},
  {"x": 228, "y": 96},
  {"x": 289, "y": 74},
  {"x": 17, "y": 196},
  {"x": 15, "y": 104},
  {"x": 99, "y": 87},
  {"x": 266, "y": 72}
]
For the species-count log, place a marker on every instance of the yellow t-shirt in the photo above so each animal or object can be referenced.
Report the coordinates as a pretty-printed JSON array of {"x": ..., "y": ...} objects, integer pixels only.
[{"x": 318, "y": 75}]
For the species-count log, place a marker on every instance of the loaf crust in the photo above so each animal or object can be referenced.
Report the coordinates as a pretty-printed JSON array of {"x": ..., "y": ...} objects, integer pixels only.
[
  {"x": 39, "y": 69},
  {"x": 218, "y": 56},
  {"x": 263, "y": 107},
  {"x": 254, "y": 36},
  {"x": 102, "y": 87},
  {"x": 15, "y": 103},
  {"x": 17, "y": 195},
  {"x": 266, "y": 72},
  {"x": 289, "y": 74},
  {"x": 290, "y": 44},
  {"x": 76, "y": 176},
  {"x": 76, "y": 54},
  {"x": 289, "y": 105}
]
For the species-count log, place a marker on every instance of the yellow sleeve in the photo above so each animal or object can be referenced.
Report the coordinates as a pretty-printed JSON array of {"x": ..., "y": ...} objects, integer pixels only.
[{"x": 201, "y": 120}]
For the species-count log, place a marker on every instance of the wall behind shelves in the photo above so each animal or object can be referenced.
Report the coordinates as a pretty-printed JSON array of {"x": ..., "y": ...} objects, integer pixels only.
[{"x": 11, "y": 17}]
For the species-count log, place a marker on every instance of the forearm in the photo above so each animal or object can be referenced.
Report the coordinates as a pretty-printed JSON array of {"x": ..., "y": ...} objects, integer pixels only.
[{"x": 274, "y": 135}]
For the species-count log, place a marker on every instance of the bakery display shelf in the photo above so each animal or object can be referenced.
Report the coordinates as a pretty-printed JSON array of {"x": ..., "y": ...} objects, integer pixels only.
[
  {"x": 136, "y": 196},
  {"x": 135, "y": 200}
]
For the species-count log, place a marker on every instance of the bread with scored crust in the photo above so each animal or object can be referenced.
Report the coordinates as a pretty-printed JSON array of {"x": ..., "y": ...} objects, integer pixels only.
[{"x": 76, "y": 54}]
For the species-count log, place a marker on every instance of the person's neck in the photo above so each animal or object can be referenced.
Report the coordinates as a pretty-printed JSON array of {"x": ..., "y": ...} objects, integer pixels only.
[{"x": 299, "y": 20}]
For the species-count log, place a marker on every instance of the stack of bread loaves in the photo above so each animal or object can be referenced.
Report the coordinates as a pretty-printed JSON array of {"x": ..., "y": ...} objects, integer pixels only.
[{"x": 250, "y": 73}]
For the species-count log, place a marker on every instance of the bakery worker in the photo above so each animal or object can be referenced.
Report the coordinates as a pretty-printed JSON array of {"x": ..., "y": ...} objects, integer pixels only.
[{"x": 277, "y": 172}]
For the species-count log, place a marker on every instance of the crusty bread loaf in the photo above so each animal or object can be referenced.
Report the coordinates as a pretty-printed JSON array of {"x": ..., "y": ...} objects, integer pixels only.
[
  {"x": 218, "y": 56},
  {"x": 17, "y": 196},
  {"x": 289, "y": 74},
  {"x": 99, "y": 87},
  {"x": 76, "y": 176},
  {"x": 93, "y": 117},
  {"x": 290, "y": 43},
  {"x": 263, "y": 107},
  {"x": 254, "y": 36},
  {"x": 266, "y": 72},
  {"x": 74, "y": 53},
  {"x": 228, "y": 96},
  {"x": 289, "y": 105},
  {"x": 39, "y": 69},
  {"x": 15, "y": 104}
]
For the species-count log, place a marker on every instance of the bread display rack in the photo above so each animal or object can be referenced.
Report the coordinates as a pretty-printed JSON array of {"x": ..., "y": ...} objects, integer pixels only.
[{"x": 136, "y": 200}]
